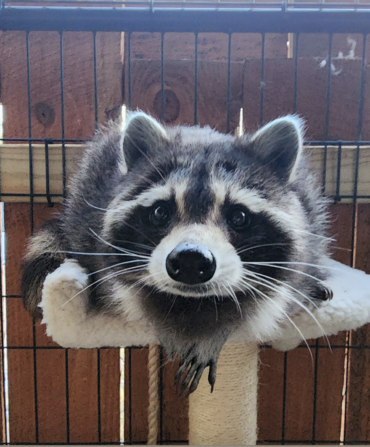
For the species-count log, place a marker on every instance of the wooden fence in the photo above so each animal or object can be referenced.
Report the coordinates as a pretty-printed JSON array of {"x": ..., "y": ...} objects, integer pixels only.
[{"x": 72, "y": 396}]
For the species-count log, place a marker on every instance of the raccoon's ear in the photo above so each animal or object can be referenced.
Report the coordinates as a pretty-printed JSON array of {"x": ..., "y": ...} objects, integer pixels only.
[
  {"x": 279, "y": 144},
  {"x": 141, "y": 135}
]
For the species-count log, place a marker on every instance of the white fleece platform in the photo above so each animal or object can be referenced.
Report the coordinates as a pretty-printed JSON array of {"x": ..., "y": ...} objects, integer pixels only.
[{"x": 70, "y": 324}]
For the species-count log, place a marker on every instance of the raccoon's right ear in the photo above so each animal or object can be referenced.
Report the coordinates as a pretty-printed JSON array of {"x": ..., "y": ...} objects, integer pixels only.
[
  {"x": 142, "y": 135},
  {"x": 279, "y": 144}
]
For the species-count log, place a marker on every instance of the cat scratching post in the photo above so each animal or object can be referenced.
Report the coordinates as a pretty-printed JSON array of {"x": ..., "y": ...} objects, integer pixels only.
[{"x": 228, "y": 416}]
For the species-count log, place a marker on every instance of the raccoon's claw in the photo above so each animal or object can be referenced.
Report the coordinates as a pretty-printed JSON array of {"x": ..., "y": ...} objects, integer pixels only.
[
  {"x": 212, "y": 374},
  {"x": 192, "y": 376},
  {"x": 323, "y": 293}
]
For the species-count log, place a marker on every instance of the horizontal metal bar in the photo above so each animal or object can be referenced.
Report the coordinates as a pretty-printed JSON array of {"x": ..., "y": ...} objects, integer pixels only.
[
  {"x": 279, "y": 19},
  {"x": 171, "y": 441}
]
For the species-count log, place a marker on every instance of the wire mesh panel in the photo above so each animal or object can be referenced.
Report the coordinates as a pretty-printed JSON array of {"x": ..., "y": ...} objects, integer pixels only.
[{"x": 56, "y": 85}]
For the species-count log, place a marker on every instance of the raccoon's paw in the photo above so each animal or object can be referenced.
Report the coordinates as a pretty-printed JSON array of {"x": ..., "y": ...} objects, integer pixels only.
[
  {"x": 194, "y": 361},
  {"x": 63, "y": 288},
  {"x": 191, "y": 370}
]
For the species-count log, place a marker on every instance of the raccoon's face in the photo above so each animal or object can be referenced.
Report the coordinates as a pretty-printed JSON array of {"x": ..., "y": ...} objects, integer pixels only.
[{"x": 200, "y": 218}]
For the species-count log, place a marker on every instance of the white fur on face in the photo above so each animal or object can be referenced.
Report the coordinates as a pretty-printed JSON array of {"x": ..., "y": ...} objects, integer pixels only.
[{"x": 228, "y": 264}]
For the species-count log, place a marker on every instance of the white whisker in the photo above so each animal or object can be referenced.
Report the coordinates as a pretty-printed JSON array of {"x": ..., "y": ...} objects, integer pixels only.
[
  {"x": 123, "y": 250},
  {"x": 241, "y": 250},
  {"x": 269, "y": 300},
  {"x": 267, "y": 284},
  {"x": 116, "y": 265},
  {"x": 106, "y": 278},
  {"x": 305, "y": 308},
  {"x": 315, "y": 235}
]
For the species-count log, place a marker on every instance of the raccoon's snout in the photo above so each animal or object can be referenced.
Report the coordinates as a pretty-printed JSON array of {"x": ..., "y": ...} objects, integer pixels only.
[{"x": 191, "y": 264}]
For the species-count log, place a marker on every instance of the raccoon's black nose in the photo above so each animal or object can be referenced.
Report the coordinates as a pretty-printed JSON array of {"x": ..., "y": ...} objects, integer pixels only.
[{"x": 191, "y": 264}]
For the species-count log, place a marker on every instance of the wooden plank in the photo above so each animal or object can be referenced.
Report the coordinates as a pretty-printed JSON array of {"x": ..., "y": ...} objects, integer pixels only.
[
  {"x": 330, "y": 365},
  {"x": 20, "y": 334},
  {"x": 175, "y": 408},
  {"x": 51, "y": 398},
  {"x": 45, "y": 82},
  {"x": 136, "y": 395},
  {"x": 270, "y": 395},
  {"x": 358, "y": 391},
  {"x": 278, "y": 84},
  {"x": 211, "y": 46},
  {"x": 83, "y": 398},
  {"x": 299, "y": 395},
  {"x": 179, "y": 91},
  {"x": 14, "y": 168},
  {"x": 109, "y": 389},
  {"x": 22, "y": 421},
  {"x": 330, "y": 368},
  {"x": 20, "y": 362}
]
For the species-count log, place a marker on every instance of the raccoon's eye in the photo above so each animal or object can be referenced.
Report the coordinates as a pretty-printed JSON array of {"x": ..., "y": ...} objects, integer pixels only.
[
  {"x": 238, "y": 218},
  {"x": 160, "y": 214}
]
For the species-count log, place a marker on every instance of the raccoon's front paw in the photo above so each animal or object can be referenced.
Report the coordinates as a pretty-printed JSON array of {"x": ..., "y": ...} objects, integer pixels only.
[
  {"x": 190, "y": 371},
  {"x": 63, "y": 288}
]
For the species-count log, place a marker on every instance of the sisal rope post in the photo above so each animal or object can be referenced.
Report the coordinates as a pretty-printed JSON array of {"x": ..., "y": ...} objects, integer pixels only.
[
  {"x": 228, "y": 416},
  {"x": 153, "y": 409}
]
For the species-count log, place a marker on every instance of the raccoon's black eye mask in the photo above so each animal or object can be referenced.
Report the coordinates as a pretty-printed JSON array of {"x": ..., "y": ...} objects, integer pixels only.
[
  {"x": 238, "y": 218},
  {"x": 160, "y": 214}
]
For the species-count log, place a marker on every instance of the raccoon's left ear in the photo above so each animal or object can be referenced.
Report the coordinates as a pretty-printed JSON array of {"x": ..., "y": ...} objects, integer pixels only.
[
  {"x": 142, "y": 135},
  {"x": 279, "y": 144}
]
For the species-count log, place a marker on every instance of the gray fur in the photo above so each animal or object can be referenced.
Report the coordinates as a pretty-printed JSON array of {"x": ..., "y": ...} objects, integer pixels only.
[{"x": 103, "y": 208}]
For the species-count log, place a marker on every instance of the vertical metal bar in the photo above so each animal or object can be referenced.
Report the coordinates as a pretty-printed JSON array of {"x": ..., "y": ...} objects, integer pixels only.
[
  {"x": 326, "y": 133},
  {"x": 284, "y": 398},
  {"x": 339, "y": 164},
  {"x": 161, "y": 364},
  {"x": 262, "y": 79},
  {"x": 327, "y": 111},
  {"x": 61, "y": 55},
  {"x": 47, "y": 174},
  {"x": 96, "y": 125},
  {"x": 296, "y": 55},
  {"x": 128, "y": 350},
  {"x": 354, "y": 210},
  {"x": 162, "y": 79},
  {"x": 196, "y": 80},
  {"x": 99, "y": 397},
  {"x": 228, "y": 84},
  {"x": 129, "y": 70},
  {"x": 95, "y": 83},
  {"x": 129, "y": 395},
  {"x": 30, "y": 154},
  {"x": 2, "y": 315},
  {"x": 161, "y": 349}
]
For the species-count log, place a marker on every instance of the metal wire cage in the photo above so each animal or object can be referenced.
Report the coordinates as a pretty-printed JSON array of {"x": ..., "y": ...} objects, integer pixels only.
[{"x": 66, "y": 66}]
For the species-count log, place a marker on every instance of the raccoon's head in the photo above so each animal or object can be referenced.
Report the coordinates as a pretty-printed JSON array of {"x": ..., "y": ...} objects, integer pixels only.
[{"x": 201, "y": 222}]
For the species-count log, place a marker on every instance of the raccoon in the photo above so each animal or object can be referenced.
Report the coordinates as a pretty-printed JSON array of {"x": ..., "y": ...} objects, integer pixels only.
[{"x": 197, "y": 233}]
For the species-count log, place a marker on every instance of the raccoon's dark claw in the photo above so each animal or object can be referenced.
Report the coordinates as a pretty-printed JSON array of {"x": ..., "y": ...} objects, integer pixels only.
[
  {"x": 212, "y": 374},
  {"x": 192, "y": 376},
  {"x": 323, "y": 293}
]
